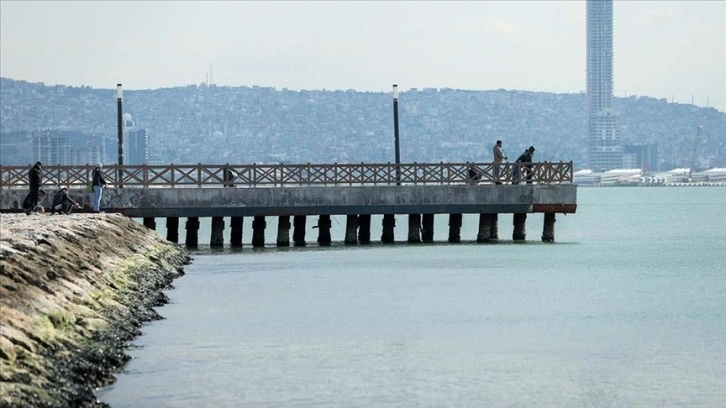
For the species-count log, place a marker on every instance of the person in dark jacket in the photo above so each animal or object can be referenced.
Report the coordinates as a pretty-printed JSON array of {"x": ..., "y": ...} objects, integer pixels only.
[
  {"x": 62, "y": 203},
  {"x": 98, "y": 184},
  {"x": 34, "y": 176},
  {"x": 229, "y": 177},
  {"x": 525, "y": 161},
  {"x": 28, "y": 203}
]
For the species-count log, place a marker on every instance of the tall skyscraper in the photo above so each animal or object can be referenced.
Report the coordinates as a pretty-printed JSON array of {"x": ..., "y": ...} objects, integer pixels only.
[
  {"x": 605, "y": 150},
  {"x": 136, "y": 142}
]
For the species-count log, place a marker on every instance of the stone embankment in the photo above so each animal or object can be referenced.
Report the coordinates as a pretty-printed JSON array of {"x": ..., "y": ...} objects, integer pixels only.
[{"x": 74, "y": 290}]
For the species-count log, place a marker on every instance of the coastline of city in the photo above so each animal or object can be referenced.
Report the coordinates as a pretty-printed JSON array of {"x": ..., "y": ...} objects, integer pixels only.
[{"x": 248, "y": 124}]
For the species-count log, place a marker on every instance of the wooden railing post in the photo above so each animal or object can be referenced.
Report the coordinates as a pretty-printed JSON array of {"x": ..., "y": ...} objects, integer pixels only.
[
  {"x": 570, "y": 173},
  {"x": 199, "y": 175}
]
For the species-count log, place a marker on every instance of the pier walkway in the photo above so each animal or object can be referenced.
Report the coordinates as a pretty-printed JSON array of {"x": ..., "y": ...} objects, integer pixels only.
[{"x": 417, "y": 190}]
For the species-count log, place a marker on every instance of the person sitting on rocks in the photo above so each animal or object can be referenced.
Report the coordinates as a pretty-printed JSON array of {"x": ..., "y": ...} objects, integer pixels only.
[{"x": 62, "y": 203}]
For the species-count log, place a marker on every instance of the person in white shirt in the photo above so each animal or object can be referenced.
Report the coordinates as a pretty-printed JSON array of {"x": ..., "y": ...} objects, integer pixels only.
[{"x": 499, "y": 157}]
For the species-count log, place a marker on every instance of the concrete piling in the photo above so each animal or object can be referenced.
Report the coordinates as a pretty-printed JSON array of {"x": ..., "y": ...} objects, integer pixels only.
[
  {"x": 414, "y": 228},
  {"x": 298, "y": 234},
  {"x": 150, "y": 223},
  {"x": 258, "y": 231},
  {"x": 519, "y": 222},
  {"x": 172, "y": 229},
  {"x": 455, "y": 227},
  {"x": 485, "y": 228},
  {"x": 494, "y": 227},
  {"x": 351, "y": 229},
  {"x": 217, "y": 238},
  {"x": 324, "y": 225},
  {"x": 192, "y": 227},
  {"x": 235, "y": 238},
  {"x": 427, "y": 228},
  {"x": 548, "y": 231},
  {"x": 364, "y": 229},
  {"x": 283, "y": 231},
  {"x": 389, "y": 223}
]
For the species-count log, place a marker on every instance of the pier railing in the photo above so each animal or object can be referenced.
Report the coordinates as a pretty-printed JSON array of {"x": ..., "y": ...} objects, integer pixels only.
[{"x": 280, "y": 175}]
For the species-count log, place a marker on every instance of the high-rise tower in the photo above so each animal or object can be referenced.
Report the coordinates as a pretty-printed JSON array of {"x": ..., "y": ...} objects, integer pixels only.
[
  {"x": 136, "y": 142},
  {"x": 605, "y": 150}
]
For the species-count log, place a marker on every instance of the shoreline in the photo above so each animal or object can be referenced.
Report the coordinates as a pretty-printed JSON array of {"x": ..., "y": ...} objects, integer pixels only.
[{"x": 74, "y": 291}]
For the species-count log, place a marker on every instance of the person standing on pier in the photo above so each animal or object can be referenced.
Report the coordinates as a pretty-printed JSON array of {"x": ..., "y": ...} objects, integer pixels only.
[
  {"x": 34, "y": 176},
  {"x": 98, "y": 184},
  {"x": 499, "y": 157},
  {"x": 524, "y": 164}
]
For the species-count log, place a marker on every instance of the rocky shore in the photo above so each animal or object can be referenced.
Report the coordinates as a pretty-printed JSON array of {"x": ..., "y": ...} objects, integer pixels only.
[{"x": 74, "y": 290}]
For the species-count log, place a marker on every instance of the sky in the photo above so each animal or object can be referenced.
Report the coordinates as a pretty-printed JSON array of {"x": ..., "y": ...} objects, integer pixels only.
[{"x": 663, "y": 49}]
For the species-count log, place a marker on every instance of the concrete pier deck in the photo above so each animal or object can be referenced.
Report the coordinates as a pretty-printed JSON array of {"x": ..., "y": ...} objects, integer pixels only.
[{"x": 335, "y": 200}]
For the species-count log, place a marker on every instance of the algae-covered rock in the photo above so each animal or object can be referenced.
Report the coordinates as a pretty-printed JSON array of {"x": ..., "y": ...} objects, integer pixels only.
[{"x": 74, "y": 290}]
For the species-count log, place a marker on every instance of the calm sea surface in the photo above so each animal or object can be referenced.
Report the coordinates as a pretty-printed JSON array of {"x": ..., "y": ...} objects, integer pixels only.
[{"x": 626, "y": 309}]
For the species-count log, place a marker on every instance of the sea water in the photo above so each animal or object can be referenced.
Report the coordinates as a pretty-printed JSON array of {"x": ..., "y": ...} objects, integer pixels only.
[{"x": 627, "y": 308}]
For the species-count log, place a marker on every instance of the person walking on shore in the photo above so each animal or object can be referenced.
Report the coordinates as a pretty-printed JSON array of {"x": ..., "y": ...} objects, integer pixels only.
[
  {"x": 98, "y": 184},
  {"x": 34, "y": 176},
  {"x": 499, "y": 158}
]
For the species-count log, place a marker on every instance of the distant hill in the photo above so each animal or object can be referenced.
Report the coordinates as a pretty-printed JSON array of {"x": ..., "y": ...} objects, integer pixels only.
[{"x": 256, "y": 124}]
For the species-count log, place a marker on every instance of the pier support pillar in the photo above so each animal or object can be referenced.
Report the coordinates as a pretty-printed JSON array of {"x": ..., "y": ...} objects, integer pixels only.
[
  {"x": 364, "y": 229},
  {"x": 494, "y": 230},
  {"x": 485, "y": 228},
  {"x": 192, "y": 227},
  {"x": 324, "y": 230},
  {"x": 427, "y": 228},
  {"x": 414, "y": 228},
  {"x": 258, "y": 231},
  {"x": 455, "y": 227},
  {"x": 150, "y": 223},
  {"x": 548, "y": 232},
  {"x": 520, "y": 227},
  {"x": 217, "y": 238},
  {"x": 172, "y": 229},
  {"x": 351, "y": 229},
  {"x": 235, "y": 238},
  {"x": 298, "y": 234},
  {"x": 389, "y": 223},
  {"x": 283, "y": 231}
]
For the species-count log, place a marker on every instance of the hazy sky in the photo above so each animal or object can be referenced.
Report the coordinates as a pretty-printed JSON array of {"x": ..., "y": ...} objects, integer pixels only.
[{"x": 664, "y": 49}]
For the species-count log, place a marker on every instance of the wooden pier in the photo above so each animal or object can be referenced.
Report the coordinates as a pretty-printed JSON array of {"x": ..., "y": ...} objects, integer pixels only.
[{"x": 293, "y": 193}]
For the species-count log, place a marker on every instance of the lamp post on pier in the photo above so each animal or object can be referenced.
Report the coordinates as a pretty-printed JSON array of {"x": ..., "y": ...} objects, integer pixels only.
[
  {"x": 395, "y": 134},
  {"x": 120, "y": 124}
]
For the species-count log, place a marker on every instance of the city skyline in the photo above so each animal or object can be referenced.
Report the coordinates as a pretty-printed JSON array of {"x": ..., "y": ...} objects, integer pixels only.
[{"x": 663, "y": 49}]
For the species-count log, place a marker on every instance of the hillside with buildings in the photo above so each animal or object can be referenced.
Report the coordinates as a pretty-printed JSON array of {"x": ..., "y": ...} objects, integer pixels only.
[{"x": 218, "y": 124}]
